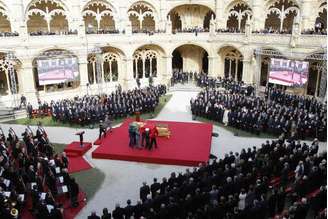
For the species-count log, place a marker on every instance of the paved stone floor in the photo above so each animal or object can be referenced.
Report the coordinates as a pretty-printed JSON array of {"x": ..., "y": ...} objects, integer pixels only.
[{"x": 123, "y": 179}]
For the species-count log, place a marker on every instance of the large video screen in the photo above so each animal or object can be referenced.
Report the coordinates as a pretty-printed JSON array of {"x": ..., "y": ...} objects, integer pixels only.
[
  {"x": 57, "y": 70},
  {"x": 288, "y": 72}
]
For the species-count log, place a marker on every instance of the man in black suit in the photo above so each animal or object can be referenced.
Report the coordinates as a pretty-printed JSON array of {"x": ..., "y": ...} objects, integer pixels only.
[
  {"x": 118, "y": 212},
  {"x": 144, "y": 191},
  {"x": 102, "y": 129},
  {"x": 93, "y": 215},
  {"x": 128, "y": 210},
  {"x": 74, "y": 192},
  {"x": 154, "y": 188}
]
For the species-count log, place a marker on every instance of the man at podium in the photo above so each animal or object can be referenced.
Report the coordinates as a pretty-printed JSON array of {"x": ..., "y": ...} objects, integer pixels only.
[{"x": 80, "y": 134}]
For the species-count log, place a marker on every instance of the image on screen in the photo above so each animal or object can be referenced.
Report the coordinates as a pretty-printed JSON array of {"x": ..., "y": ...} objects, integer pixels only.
[
  {"x": 288, "y": 72},
  {"x": 57, "y": 70}
]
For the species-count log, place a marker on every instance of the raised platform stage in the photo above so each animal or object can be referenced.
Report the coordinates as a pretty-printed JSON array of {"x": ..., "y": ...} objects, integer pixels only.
[
  {"x": 188, "y": 145},
  {"x": 75, "y": 154}
]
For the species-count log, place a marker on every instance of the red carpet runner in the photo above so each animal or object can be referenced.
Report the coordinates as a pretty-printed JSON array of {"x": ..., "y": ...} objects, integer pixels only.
[{"x": 189, "y": 145}]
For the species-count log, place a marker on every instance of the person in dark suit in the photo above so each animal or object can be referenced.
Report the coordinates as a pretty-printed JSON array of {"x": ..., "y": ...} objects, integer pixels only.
[
  {"x": 144, "y": 191},
  {"x": 106, "y": 214},
  {"x": 102, "y": 129},
  {"x": 129, "y": 209},
  {"x": 93, "y": 215},
  {"x": 118, "y": 212},
  {"x": 154, "y": 188},
  {"x": 74, "y": 192}
]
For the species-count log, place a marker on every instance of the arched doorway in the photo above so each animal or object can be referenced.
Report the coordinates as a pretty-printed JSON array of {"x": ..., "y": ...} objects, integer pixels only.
[
  {"x": 317, "y": 81},
  {"x": 98, "y": 16},
  {"x": 47, "y": 16},
  {"x": 191, "y": 16},
  {"x": 280, "y": 15},
  {"x": 6, "y": 86},
  {"x": 232, "y": 60},
  {"x": 190, "y": 58},
  {"x": 58, "y": 69}
]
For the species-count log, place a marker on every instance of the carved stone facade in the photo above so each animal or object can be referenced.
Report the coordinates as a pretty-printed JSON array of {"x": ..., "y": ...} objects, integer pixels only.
[{"x": 138, "y": 39}]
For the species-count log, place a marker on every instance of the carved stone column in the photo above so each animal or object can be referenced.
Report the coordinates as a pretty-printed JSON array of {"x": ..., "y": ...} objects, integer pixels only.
[
  {"x": 212, "y": 66},
  {"x": 128, "y": 81},
  {"x": 258, "y": 15}
]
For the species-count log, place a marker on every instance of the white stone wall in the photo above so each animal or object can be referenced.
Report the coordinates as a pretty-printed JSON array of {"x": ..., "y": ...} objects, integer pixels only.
[{"x": 27, "y": 48}]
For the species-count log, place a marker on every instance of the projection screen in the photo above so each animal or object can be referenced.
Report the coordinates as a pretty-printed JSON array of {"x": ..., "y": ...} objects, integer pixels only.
[
  {"x": 288, "y": 72},
  {"x": 57, "y": 70}
]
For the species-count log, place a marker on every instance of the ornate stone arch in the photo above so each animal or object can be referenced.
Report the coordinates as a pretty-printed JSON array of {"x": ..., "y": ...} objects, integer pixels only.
[
  {"x": 143, "y": 16},
  {"x": 47, "y": 15},
  {"x": 189, "y": 16},
  {"x": 54, "y": 53},
  {"x": 100, "y": 14},
  {"x": 321, "y": 19},
  {"x": 145, "y": 63},
  {"x": 111, "y": 65},
  {"x": 281, "y": 14},
  {"x": 317, "y": 78},
  {"x": 190, "y": 57},
  {"x": 5, "y": 82},
  {"x": 237, "y": 14},
  {"x": 5, "y": 25}
]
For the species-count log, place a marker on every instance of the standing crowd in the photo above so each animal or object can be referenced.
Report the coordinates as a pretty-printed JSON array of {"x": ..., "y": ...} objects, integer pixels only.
[
  {"x": 279, "y": 112},
  {"x": 282, "y": 179},
  {"x": 91, "y": 109}
]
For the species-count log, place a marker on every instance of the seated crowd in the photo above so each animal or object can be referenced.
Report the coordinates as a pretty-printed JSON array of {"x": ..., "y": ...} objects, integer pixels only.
[
  {"x": 283, "y": 177},
  {"x": 33, "y": 178},
  {"x": 302, "y": 117},
  {"x": 92, "y": 109}
]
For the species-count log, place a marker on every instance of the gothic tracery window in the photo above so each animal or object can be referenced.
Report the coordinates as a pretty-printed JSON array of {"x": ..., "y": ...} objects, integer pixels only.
[
  {"x": 4, "y": 20},
  {"x": 98, "y": 16},
  {"x": 280, "y": 15},
  {"x": 145, "y": 63},
  {"x": 321, "y": 21},
  {"x": 110, "y": 67},
  {"x": 238, "y": 16},
  {"x": 142, "y": 17},
  {"x": 47, "y": 16},
  {"x": 233, "y": 64}
]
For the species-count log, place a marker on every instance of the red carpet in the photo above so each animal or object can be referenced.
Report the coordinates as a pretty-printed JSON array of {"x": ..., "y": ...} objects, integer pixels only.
[
  {"x": 74, "y": 148},
  {"x": 98, "y": 141},
  {"x": 189, "y": 145},
  {"x": 77, "y": 164},
  {"x": 75, "y": 155}
]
